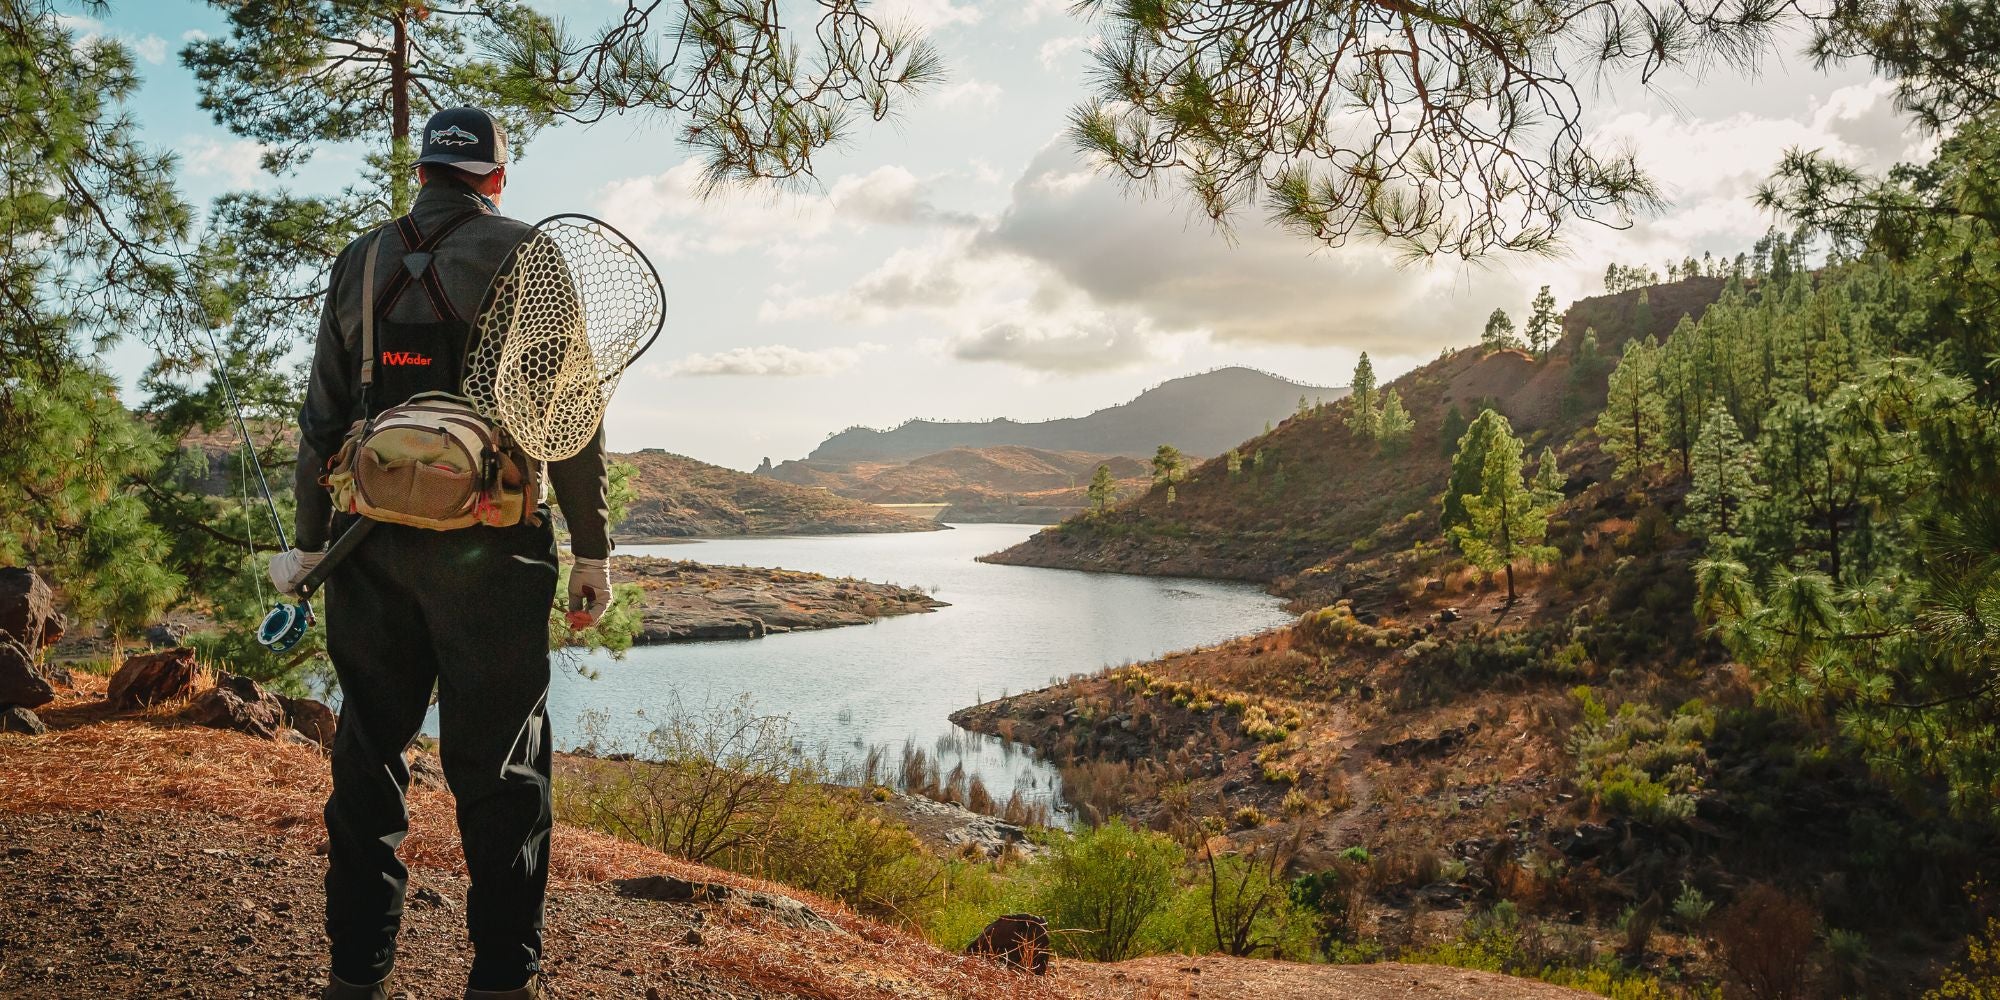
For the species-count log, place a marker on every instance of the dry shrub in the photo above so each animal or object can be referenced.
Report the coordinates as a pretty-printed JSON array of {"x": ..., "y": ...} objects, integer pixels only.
[{"x": 1765, "y": 940}]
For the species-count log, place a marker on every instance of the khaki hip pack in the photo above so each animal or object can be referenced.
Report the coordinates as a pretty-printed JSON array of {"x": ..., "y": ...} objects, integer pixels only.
[{"x": 435, "y": 463}]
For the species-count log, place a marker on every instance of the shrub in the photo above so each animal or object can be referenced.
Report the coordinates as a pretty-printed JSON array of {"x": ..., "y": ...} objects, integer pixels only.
[
  {"x": 1977, "y": 975},
  {"x": 1106, "y": 883},
  {"x": 1249, "y": 907},
  {"x": 1765, "y": 940},
  {"x": 1250, "y": 817},
  {"x": 1639, "y": 761},
  {"x": 1691, "y": 908}
]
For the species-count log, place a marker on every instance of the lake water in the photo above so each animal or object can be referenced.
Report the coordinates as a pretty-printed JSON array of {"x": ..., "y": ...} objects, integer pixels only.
[{"x": 1009, "y": 629}]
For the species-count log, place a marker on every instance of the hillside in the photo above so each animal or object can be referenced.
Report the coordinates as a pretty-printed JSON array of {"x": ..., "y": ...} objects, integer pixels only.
[
  {"x": 1306, "y": 490},
  {"x": 1199, "y": 414},
  {"x": 145, "y": 856},
  {"x": 1587, "y": 782},
  {"x": 1001, "y": 483},
  {"x": 679, "y": 497}
]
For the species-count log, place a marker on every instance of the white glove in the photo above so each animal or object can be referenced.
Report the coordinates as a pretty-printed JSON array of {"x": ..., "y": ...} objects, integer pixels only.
[
  {"x": 589, "y": 591},
  {"x": 290, "y": 568}
]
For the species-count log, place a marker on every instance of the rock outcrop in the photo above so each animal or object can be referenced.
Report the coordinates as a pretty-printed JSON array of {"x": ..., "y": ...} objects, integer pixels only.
[
  {"x": 690, "y": 601},
  {"x": 21, "y": 682},
  {"x": 153, "y": 678},
  {"x": 239, "y": 703},
  {"x": 28, "y": 609},
  {"x": 15, "y": 719},
  {"x": 1020, "y": 940},
  {"x": 668, "y": 889}
]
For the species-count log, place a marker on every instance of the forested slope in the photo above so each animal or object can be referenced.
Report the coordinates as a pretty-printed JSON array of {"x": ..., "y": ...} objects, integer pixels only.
[{"x": 1311, "y": 486}]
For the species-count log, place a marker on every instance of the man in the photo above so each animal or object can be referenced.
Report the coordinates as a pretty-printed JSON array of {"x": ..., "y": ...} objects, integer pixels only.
[{"x": 466, "y": 609}]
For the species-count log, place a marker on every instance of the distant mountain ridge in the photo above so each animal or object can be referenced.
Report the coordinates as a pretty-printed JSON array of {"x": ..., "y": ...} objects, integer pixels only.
[{"x": 1205, "y": 414}]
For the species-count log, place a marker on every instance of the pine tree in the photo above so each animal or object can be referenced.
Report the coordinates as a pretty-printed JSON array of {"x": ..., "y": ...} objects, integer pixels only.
[
  {"x": 1395, "y": 425},
  {"x": 1468, "y": 463},
  {"x": 1642, "y": 315},
  {"x": 1505, "y": 521},
  {"x": 1235, "y": 460},
  {"x": 1724, "y": 481},
  {"x": 94, "y": 246},
  {"x": 1633, "y": 412},
  {"x": 1450, "y": 431},
  {"x": 1363, "y": 417},
  {"x": 1499, "y": 332},
  {"x": 1103, "y": 490},
  {"x": 1544, "y": 325},
  {"x": 1169, "y": 466},
  {"x": 1547, "y": 486},
  {"x": 299, "y": 75}
]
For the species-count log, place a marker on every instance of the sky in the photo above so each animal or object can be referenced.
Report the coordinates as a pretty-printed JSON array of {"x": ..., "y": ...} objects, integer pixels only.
[{"x": 961, "y": 261}]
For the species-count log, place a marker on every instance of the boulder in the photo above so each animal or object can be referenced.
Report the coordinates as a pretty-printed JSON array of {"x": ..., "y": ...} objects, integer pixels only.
[
  {"x": 1019, "y": 939},
  {"x": 238, "y": 703},
  {"x": 152, "y": 678},
  {"x": 15, "y": 719},
  {"x": 312, "y": 718},
  {"x": 28, "y": 609},
  {"x": 165, "y": 634},
  {"x": 21, "y": 683},
  {"x": 668, "y": 889}
]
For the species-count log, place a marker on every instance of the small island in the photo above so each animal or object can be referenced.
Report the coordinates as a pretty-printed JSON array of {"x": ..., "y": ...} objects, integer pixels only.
[{"x": 688, "y": 601}]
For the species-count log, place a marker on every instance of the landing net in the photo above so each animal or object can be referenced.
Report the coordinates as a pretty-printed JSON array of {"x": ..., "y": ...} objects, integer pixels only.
[{"x": 576, "y": 305}]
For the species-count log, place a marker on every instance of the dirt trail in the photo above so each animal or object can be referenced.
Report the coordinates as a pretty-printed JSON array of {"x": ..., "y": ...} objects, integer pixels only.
[{"x": 140, "y": 857}]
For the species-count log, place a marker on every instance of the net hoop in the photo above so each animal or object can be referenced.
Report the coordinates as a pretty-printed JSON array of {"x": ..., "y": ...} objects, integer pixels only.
[{"x": 573, "y": 306}]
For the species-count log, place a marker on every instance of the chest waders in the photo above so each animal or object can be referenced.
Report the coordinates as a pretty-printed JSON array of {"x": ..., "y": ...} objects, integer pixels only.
[
  {"x": 421, "y": 357},
  {"x": 456, "y": 618}
]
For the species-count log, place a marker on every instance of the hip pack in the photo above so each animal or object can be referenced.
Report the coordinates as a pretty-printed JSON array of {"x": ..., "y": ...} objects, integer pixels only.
[{"x": 431, "y": 461}]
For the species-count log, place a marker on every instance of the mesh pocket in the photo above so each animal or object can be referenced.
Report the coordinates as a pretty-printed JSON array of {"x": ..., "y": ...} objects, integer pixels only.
[{"x": 413, "y": 488}]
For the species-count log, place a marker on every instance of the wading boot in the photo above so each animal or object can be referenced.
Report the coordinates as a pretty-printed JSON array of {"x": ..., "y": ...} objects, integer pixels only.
[
  {"x": 531, "y": 991},
  {"x": 340, "y": 989}
]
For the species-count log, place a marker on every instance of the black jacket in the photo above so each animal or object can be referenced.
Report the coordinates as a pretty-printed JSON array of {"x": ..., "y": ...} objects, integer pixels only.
[{"x": 466, "y": 263}]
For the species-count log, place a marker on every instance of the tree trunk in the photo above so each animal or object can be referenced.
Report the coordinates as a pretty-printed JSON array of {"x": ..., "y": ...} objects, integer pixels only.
[
  {"x": 1510, "y": 582},
  {"x": 400, "y": 193}
]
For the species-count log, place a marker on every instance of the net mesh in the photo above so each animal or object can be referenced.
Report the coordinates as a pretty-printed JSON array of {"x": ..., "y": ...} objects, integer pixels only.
[{"x": 575, "y": 307}]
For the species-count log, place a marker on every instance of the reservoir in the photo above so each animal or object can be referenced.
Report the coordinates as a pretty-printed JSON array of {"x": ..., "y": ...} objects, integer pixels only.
[{"x": 895, "y": 682}]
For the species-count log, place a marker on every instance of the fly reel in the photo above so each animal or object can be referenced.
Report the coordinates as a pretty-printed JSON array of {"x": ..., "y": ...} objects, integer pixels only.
[{"x": 285, "y": 626}]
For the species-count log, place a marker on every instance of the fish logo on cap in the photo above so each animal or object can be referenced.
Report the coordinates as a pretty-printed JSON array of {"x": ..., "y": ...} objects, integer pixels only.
[{"x": 453, "y": 136}]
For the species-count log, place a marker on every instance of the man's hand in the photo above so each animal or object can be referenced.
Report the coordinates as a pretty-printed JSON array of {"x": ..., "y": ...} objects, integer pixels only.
[
  {"x": 290, "y": 568},
  {"x": 589, "y": 591}
]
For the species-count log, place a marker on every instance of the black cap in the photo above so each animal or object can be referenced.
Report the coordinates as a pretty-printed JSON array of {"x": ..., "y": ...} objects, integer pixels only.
[{"x": 466, "y": 138}]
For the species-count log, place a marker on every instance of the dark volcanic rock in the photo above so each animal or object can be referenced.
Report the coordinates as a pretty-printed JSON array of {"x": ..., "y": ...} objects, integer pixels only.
[
  {"x": 15, "y": 719},
  {"x": 238, "y": 703},
  {"x": 21, "y": 683},
  {"x": 311, "y": 718},
  {"x": 1445, "y": 742},
  {"x": 667, "y": 889},
  {"x": 1018, "y": 939},
  {"x": 152, "y": 678},
  {"x": 28, "y": 608}
]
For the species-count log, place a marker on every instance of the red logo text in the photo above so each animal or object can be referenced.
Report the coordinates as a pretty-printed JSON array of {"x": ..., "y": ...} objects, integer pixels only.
[{"x": 404, "y": 358}]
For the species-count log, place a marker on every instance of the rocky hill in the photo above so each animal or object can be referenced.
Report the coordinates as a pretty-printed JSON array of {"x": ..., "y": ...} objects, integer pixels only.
[
  {"x": 145, "y": 856},
  {"x": 1201, "y": 414},
  {"x": 679, "y": 497},
  {"x": 1309, "y": 488},
  {"x": 1002, "y": 483}
]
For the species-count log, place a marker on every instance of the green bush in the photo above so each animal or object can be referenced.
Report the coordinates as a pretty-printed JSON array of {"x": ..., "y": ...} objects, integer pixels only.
[{"x": 1103, "y": 885}]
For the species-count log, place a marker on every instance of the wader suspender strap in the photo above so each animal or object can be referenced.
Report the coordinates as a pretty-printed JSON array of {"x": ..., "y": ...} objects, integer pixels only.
[
  {"x": 419, "y": 263},
  {"x": 368, "y": 320}
]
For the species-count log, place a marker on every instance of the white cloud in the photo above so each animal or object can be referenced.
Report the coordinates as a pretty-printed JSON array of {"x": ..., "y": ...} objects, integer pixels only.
[
  {"x": 669, "y": 214},
  {"x": 927, "y": 14},
  {"x": 1054, "y": 50},
  {"x": 238, "y": 161},
  {"x": 769, "y": 360},
  {"x": 151, "y": 48},
  {"x": 193, "y": 35},
  {"x": 1064, "y": 344},
  {"x": 970, "y": 92},
  {"x": 1033, "y": 11}
]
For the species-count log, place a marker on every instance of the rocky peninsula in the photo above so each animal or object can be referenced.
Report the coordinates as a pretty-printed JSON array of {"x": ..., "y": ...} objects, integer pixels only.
[{"x": 688, "y": 601}]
